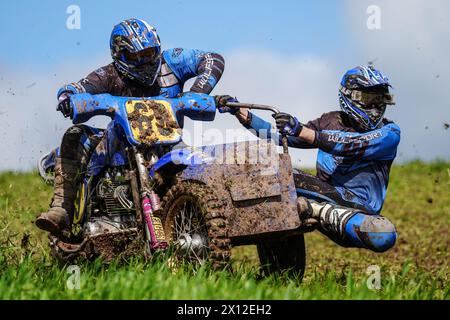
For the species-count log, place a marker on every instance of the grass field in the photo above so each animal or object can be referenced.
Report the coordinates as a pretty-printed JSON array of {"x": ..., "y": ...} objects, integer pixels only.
[{"x": 418, "y": 202}]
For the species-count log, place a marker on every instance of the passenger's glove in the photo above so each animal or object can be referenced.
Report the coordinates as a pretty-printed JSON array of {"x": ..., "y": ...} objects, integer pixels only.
[
  {"x": 221, "y": 104},
  {"x": 287, "y": 124},
  {"x": 64, "y": 105}
]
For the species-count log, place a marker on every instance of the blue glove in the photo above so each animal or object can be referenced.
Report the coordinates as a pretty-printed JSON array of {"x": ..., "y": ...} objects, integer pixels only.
[
  {"x": 64, "y": 105},
  {"x": 287, "y": 124},
  {"x": 221, "y": 104}
]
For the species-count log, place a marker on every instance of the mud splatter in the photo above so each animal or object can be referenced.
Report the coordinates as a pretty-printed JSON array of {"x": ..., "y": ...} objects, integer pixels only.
[
  {"x": 25, "y": 242},
  {"x": 111, "y": 246},
  {"x": 139, "y": 118}
]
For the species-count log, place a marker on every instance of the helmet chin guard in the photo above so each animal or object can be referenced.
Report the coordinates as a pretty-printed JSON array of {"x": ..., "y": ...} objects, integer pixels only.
[{"x": 145, "y": 74}]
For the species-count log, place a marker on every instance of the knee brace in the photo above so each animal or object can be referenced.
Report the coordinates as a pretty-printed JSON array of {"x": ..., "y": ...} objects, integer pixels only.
[
  {"x": 72, "y": 145},
  {"x": 371, "y": 232}
]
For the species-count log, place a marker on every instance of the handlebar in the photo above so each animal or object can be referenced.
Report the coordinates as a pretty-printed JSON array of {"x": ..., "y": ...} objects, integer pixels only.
[
  {"x": 274, "y": 110},
  {"x": 252, "y": 106}
]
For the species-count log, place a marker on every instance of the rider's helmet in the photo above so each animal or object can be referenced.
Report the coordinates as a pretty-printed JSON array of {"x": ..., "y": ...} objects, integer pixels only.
[
  {"x": 136, "y": 50},
  {"x": 364, "y": 95}
]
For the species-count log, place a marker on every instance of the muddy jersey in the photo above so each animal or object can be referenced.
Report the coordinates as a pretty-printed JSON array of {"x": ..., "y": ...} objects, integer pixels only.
[
  {"x": 178, "y": 66},
  {"x": 356, "y": 164}
]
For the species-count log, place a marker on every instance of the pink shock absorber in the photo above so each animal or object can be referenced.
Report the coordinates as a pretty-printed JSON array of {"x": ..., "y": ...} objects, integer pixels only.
[{"x": 154, "y": 224}]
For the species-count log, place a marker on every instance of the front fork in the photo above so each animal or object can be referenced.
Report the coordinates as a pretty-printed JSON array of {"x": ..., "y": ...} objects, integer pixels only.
[{"x": 150, "y": 205}]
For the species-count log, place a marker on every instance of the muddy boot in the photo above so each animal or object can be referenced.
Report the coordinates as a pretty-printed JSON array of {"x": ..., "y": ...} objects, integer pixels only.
[
  {"x": 56, "y": 220},
  {"x": 305, "y": 212},
  {"x": 330, "y": 217},
  {"x": 350, "y": 227}
]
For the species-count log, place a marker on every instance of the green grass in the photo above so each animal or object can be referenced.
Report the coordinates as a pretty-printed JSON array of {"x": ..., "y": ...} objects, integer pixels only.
[{"x": 418, "y": 202}]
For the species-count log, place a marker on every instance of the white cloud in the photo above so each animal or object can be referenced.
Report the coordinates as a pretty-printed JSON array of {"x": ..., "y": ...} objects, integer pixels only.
[{"x": 412, "y": 47}]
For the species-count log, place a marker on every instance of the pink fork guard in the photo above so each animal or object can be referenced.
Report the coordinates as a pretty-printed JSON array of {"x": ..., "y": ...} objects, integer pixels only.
[{"x": 155, "y": 244}]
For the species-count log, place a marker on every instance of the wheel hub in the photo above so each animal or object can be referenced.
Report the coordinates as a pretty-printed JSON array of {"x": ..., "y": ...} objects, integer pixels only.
[{"x": 188, "y": 243}]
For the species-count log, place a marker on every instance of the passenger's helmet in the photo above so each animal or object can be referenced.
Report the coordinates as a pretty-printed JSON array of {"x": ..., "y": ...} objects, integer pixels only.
[
  {"x": 364, "y": 95},
  {"x": 136, "y": 50}
]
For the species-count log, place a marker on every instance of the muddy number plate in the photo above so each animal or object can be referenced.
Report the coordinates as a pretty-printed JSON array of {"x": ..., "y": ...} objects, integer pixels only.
[{"x": 153, "y": 122}]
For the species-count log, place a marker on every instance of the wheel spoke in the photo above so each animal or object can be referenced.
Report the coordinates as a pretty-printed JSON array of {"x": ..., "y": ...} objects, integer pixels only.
[
  {"x": 183, "y": 224},
  {"x": 198, "y": 227},
  {"x": 188, "y": 221},
  {"x": 178, "y": 228},
  {"x": 199, "y": 260}
]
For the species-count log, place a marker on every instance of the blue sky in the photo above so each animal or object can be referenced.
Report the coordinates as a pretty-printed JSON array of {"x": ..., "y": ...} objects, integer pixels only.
[
  {"x": 287, "y": 53},
  {"x": 38, "y": 35}
]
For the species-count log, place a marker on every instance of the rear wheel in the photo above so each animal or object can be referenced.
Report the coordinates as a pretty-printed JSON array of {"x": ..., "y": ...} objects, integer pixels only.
[
  {"x": 287, "y": 255},
  {"x": 195, "y": 224}
]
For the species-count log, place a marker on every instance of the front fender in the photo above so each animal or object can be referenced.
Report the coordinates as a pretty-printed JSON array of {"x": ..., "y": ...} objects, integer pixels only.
[{"x": 187, "y": 157}]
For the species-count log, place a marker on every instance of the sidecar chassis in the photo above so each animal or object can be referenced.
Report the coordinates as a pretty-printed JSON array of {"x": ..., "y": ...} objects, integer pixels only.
[{"x": 259, "y": 194}]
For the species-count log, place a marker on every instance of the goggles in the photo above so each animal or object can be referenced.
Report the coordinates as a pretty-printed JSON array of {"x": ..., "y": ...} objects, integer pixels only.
[
  {"x": 148, "y": 56},
  {"x": 367, "y": 99}
]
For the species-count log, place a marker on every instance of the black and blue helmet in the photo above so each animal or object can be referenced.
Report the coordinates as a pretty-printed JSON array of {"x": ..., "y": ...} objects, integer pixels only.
[
  {"x": 364, "y": 95},
  {"x": 136, "y": 50}
]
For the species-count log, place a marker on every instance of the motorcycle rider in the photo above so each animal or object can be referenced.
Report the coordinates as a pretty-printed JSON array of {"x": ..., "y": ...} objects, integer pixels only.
[
  {"x": 139, "y": 69},
  {"x": 357, "y": 147}
]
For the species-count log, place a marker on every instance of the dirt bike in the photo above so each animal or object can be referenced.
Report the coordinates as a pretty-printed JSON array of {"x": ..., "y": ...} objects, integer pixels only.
[{"x": 213, "y": 197}]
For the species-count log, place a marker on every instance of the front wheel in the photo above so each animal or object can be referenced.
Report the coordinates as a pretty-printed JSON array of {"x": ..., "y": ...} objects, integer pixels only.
[
  {"x": 283, "y": 256},
  {"x": 195, "y": 224}
]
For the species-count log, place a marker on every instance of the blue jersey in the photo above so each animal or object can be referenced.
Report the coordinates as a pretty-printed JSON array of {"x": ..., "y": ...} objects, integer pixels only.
[
  {"x": 356, "y": 164},
  {"x": 178, "y": 66}
]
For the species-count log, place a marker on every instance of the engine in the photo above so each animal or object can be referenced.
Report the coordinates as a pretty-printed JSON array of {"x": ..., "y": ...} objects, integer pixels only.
[
  {"x": 113, "y": 207},
  {"x": 116, "y": 195}
]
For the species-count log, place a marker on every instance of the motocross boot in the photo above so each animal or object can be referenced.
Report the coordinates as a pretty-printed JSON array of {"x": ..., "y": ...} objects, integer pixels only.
[
  {"x": 349, "y": 227},
  {"x": 56, "y": 220},
  {"x": 331, "y": 218}
]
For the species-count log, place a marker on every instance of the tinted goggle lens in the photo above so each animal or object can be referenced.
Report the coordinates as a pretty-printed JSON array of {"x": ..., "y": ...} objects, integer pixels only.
[
  {"x": 147, "y": 56},
  {"x": 372, "y": 99}
]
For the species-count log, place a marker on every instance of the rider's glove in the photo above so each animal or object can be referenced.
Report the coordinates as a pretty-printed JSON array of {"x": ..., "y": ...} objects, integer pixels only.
[
  {"x": 64, "y": 105},
  {"x": 221, "y": 104},
  {"x": 287, "y": 124}
]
